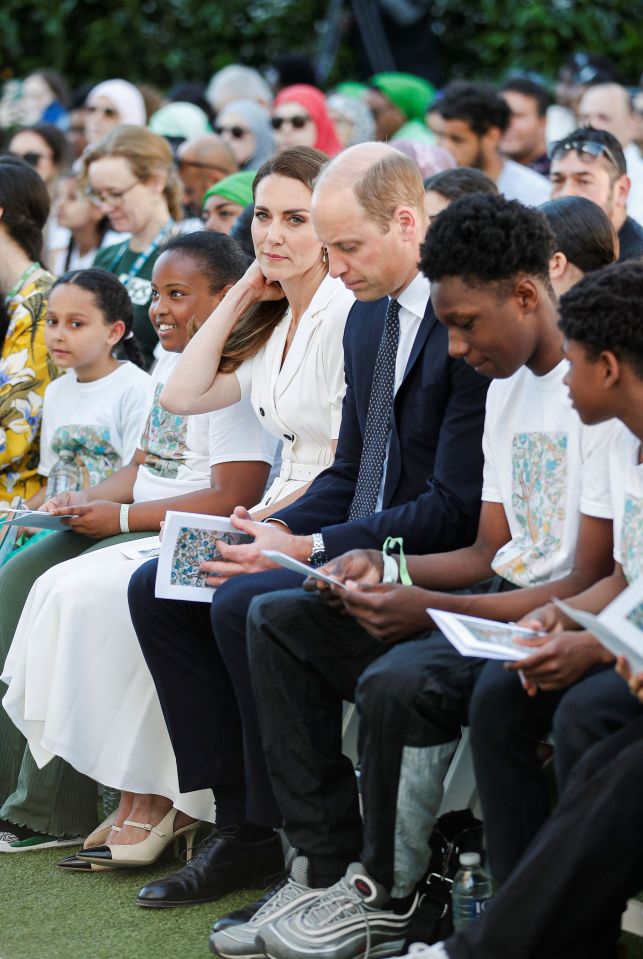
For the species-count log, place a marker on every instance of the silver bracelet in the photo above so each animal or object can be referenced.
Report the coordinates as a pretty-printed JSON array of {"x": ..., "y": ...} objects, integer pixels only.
[{"x": 124, "y": 518}]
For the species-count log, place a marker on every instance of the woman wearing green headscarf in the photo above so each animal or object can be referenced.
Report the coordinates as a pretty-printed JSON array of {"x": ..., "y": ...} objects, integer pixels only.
[
  {"x": 399, "y": 102},
  {"x": 224, "y": 201}
]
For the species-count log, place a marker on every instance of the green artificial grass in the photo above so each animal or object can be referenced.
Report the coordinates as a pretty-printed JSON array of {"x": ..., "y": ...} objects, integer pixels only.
[{"x": 48, "y": 914}]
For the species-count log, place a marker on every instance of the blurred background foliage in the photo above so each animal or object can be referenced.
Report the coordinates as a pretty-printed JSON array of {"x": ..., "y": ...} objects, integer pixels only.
[{"x": 163, "y": 41}]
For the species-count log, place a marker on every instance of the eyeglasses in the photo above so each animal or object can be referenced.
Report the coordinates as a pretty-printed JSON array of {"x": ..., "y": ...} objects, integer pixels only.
[
  {"x": 33, "y": 159},
  {"x": 297, "y": 123},
  {"x": 106, "y": 111},
  {"x": 585, "y": 148},
  {"x": 111, "y": 197},
  {"x": 237, "y": 132}
]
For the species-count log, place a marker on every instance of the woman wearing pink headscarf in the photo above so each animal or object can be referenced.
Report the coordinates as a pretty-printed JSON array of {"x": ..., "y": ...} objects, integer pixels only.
[{"x": 300, "y": 118}]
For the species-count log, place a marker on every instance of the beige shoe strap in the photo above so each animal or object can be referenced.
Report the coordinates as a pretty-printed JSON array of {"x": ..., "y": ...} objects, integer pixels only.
[{"x": 147, "y": 826}]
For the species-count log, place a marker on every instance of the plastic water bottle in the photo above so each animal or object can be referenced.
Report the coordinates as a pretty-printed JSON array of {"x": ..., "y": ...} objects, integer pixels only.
[
  {"x": 65, "y": 475},
  {"x": 472, "y": 890}
]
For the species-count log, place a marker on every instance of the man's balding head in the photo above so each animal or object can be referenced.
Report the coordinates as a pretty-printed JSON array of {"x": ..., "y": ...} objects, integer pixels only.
[
  {"x": 608, "y": 106},
  {"x": 203, "y": 161},
  {"x": 380, "y": 177},
  {"x": 368, "y": 210}
]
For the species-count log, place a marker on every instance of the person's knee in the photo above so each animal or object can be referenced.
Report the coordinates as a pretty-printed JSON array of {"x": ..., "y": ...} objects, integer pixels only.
[
  {"x": 582, "y": 719},
  {"x": 140, "y": 590},
  {"x": 494, "y": 703},
  {"x": 390, "y": 683}
]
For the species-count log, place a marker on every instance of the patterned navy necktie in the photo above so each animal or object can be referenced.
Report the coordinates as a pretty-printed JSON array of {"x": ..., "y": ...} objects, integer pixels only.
[{"x": 378, "y": 418}]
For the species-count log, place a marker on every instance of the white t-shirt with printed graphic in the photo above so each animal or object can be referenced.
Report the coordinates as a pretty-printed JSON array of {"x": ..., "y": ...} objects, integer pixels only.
[
  {"x": 626, "y": 477},
  {"x": 545, "y": 467},
  {"x": 180, "y": 450},
  {"x": 98, "y": 421}
]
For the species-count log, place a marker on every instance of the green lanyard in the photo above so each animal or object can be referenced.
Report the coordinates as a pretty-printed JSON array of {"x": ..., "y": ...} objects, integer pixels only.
[
  {"x": 143, "y": 257},
  {"x": 389, "y": 544},
  {"x": 20, "y": 282}
]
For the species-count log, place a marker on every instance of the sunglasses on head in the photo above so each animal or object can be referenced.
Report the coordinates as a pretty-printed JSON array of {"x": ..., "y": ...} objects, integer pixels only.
[
  {"x": 106, "y": 111},
  {"x": 33, "y": 159},
  {"x": 585, "y": 148},
  {"x": 237, "y": 132},
  {"x": 297, "y": 123}
]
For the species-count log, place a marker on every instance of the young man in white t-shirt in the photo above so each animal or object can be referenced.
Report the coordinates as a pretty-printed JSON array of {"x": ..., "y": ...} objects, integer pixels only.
[
  {"x": 547, "y": 503},
  {"x": 553, "y": 903}
]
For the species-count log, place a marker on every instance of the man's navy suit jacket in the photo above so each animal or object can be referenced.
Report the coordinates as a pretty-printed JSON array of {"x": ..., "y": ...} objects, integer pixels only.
[{"x": 434, "y": 467}]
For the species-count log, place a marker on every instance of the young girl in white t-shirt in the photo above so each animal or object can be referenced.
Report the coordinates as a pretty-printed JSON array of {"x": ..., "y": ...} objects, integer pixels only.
[{"x": 92, "y": 415}]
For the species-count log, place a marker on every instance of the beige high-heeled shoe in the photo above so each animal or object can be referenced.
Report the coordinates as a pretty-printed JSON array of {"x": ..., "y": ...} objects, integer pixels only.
[{"x": 146, "y": 852}]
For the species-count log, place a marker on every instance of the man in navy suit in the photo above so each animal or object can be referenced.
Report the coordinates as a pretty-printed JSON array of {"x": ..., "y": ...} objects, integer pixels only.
[{"x": 408, "y": 464}]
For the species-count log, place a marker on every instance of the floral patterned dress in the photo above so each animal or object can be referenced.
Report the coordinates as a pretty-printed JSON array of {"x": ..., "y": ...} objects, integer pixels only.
[{"x": 25, "y": 371}]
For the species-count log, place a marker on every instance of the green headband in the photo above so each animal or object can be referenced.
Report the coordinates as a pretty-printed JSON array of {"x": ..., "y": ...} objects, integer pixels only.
[
  {"x": 410, "y": 94},
  {"x": 237, "y": 188}
]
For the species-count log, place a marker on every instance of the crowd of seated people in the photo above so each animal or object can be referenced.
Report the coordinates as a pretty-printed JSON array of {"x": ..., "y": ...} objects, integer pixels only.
[{"x": 393, "y": 336}]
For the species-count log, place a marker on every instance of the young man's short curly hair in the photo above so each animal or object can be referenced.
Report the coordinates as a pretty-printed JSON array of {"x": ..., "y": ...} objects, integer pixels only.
[
  {"x": 604, "y": 311},
  {"x": 484, "y": 238}
]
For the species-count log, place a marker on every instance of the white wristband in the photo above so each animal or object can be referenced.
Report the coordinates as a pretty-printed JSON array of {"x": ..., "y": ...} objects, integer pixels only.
[
  {"x": 391, "y": 572},
  {"x": 123, "y": 518}
]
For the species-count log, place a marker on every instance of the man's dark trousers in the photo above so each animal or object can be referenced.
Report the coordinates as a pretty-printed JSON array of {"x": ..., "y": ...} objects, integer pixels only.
[
  {"x": 306, "y": 658},
  {"x": 507, "y": 727},
  {"x": 565, "y": 898}
]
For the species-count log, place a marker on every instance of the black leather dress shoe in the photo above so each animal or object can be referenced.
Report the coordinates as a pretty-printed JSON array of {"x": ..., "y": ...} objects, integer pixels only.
[{"x": 220, "y": 865}]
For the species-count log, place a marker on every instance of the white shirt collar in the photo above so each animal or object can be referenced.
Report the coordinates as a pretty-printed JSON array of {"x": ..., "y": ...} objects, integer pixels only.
[{"x": 415, "y": 296}]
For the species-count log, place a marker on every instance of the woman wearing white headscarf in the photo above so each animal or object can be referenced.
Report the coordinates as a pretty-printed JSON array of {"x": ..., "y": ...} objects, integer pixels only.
[
  {"x": 245, "y": 127},
  {"x": 110, "y": 104}
]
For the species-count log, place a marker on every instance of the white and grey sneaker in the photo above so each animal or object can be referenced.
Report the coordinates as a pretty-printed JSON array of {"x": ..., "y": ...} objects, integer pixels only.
[
  {"x": 351, "y": 920},
  {"x": 9, "y": 842},
  {"x": 240, "y": 941},
  {"x": 418, "y": 950}
]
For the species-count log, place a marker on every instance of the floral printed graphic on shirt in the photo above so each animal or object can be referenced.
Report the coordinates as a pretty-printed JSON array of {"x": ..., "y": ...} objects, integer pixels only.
[
  {"x": 632, "y": 537},
  {"x": 25, "y": 371},
  {"x": 539, "y": 500},
  {"x": 94, "y": 456},
  {"x": 164, "y": 440}
]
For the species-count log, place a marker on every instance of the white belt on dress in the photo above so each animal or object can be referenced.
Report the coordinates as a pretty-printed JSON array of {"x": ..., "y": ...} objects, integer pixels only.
[{"x": 303, "y": 472}]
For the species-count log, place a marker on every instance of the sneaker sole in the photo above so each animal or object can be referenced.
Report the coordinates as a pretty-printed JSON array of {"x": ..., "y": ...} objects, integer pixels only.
[
  {"x": 57, "y": 844},
  {"x": 375, "y": 952},
  {"x": 235, "y": 955}
]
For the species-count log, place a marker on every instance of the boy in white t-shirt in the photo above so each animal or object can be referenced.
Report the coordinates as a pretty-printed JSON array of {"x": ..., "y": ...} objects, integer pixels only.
[
  {"x": 545, "y": 525},
  {"x": 553, "y": 903}
]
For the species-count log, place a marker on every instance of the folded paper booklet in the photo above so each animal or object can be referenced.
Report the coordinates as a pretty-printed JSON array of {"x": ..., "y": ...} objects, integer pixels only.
[
  {"x": 146, "y": 548},
  {"x": 37, "y": 519},
  {"x": 483, "y": 638},
  {"x": 282, "y": 559},
  {"x": 619, "y": 627},
  {"x": 188, "y": 540}
]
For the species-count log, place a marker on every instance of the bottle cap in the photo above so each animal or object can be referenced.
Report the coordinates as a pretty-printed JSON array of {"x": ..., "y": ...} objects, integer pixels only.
[{"x": 469, "y": 859}]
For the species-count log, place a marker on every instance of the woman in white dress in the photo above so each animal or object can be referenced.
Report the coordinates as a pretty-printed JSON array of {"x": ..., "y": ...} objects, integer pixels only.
[{"x": 285, "y": 354}]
